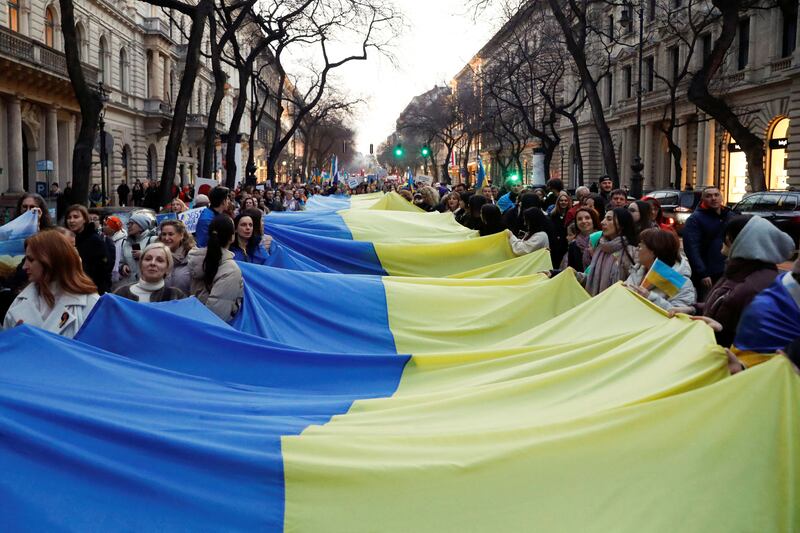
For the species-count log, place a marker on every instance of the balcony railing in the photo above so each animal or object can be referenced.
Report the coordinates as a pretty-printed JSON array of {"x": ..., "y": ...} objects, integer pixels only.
[
  {"x": 157, "y": 106},
  {"x": 36, "y": 54},
  {"x": 781, "y": 64},
  {"x": 156, "y": 26}
]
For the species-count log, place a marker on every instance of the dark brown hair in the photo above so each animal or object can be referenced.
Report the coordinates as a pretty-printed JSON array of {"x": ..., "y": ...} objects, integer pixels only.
[{"x": 664, "y": 244}]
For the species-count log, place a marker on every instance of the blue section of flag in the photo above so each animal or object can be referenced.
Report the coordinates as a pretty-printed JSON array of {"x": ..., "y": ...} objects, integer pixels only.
[
  {"x": 410, "y": 179},
  {"x": 771, "y": 322},
  {"x": 481, "y": 174},
  {"x": 666, "y": 278},
  {"x": 280, "y": 304}
]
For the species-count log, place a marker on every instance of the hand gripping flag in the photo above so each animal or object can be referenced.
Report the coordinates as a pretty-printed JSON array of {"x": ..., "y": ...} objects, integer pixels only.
[{"x": 664, "y": 277}]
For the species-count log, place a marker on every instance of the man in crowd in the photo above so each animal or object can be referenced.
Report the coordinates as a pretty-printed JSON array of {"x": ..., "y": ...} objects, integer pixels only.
[
  {"x": 606, "y": 186},
  {"x": 123, "y": 191},
  {"x": 219, "y": 198},
  {"x": 554, "y": 187},
  {"x": 702, "y": 240},
  {"x": 618, "y": 199}
]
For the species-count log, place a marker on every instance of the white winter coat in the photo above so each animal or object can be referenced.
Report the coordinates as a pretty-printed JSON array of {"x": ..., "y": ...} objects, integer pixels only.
[
  {"x": 65, "y": 318},
  {"x": 686, "y": 297},
  {"x": 537, "y": 241}
]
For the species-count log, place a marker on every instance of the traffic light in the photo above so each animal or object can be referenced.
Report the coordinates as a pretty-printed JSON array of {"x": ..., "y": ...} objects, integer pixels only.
[
  {"x": 513, "y": 178},
  {"x": 398, "y": 151},
  {"x": 425, "y": 151}
]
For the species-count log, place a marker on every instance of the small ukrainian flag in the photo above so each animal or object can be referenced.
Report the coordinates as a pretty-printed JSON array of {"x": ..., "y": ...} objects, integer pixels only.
[{"x": 665, "y": 278}]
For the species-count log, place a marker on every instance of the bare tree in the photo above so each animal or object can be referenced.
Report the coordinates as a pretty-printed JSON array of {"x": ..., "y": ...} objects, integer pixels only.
[
  {"x": 366, "y": 22},
  {"x": 90, "y": 103},
  {"x": 700, "y": 94}
]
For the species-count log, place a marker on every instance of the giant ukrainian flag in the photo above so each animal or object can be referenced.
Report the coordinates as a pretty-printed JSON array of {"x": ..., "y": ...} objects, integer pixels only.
[{"x": 581, "y": 423}]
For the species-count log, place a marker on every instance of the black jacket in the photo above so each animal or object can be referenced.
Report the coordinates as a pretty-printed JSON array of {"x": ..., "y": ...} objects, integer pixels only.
[
  {"x": 702, "y": 240},
  {"x": 94, "y": 256},
  {"x": 164, "y": 294}
]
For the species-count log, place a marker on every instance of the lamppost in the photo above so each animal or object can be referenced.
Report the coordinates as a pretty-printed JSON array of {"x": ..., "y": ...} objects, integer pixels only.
[
  {"x": 102, "y": 125},
  {"x": 637, "y": 166}
]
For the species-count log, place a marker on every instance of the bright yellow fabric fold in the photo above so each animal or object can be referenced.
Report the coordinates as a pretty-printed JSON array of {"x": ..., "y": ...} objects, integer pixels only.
[
  {"x": 404, "y": 226},
  {"x": 524, "y": 265},
  {"x": 440, "y": 259},
  {"x": 634, "y": 429},
  {"x": 394, "y": 202},
  {"x": 428, "y": 315}
]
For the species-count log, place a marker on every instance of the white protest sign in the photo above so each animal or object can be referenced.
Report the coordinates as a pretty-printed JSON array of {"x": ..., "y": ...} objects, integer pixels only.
[
  {"x": 353, "y": 182},
  {"x": 190, "y": 218},
  {"x": 424, "y": 180},
  {"x": 200, "y": 182}
]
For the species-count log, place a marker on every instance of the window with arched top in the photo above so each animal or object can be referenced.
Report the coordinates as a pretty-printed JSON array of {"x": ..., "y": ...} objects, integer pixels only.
[
  {"x": 79, "y": 35},
  {"x": 13, "y": 15},
  {"x": 123, "y": 70},
  {"x": 50, "y": 28}
]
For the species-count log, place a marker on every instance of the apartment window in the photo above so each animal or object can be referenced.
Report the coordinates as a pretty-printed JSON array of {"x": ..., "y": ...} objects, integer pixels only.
[
  {"x": 611, "y": 26},
  {"x": 101, "y": 59},
  {"x": 627, "y": 79},
  {"x": 609, "y": 89},
  {"x": 49, "y": 28},
  {"x": 13, "y": 15},
  {"x": 677, "y": 3},
  {"x": 675, "y": 58},
  {"x": 123, "y": 70},
  {"x": 789, "y": 31},
  {"x": 651, "y": 10},
  {"x": 743, "y": 55},
  {"x": 705, "y": 42},
  {"x": 629, "y": 18},
  {"x": 650, "y": 73}
]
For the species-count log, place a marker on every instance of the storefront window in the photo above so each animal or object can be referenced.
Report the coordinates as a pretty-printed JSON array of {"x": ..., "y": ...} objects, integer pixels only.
[
  {"x": 778, "y": 155},
  {"x": 737, "y": 173}
]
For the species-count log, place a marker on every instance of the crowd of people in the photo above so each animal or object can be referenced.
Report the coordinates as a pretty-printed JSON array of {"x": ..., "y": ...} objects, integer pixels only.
[{"x": 606, "y": 237}]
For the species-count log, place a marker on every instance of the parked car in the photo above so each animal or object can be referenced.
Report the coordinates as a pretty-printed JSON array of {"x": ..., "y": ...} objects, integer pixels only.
[
  {"x": 782, "y": 208},
  {"x": 677, "y": 206}
]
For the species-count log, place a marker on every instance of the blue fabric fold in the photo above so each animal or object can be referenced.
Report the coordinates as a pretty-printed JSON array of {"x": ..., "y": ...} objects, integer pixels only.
[
  {"x": 94, "y": 441},
  {"x": 304, "y": 310}
]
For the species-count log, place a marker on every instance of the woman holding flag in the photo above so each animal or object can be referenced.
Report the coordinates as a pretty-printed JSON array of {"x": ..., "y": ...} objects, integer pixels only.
[{"x": 661, "y": 274}]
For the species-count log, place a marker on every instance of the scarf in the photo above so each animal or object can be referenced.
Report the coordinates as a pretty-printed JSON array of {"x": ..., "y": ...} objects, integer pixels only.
[{"x": 610, "y": 263}]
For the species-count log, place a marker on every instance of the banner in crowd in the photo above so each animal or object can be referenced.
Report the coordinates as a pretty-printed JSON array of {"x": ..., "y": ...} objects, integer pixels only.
[
  {"x": 14, "y": 233},
  {"x": 545, "y": 429}
]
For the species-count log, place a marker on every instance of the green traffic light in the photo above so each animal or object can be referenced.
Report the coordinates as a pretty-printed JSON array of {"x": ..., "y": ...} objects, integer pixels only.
[
  {"x": 426, "y": 151},
  {"x": 513, "y": 177},
  {"x": 398, "y": 151}
]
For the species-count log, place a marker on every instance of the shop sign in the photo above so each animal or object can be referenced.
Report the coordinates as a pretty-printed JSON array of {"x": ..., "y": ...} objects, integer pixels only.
[{"x": 777, "y": 144}]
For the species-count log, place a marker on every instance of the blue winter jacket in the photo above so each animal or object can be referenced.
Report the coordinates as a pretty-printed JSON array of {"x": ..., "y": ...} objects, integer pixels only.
[
  {"x": 201, "y": 231},
  {"x": 258, "y": 256}
]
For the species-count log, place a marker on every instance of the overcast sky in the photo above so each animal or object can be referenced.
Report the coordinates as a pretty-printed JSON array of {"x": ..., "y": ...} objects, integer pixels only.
[{"x": 440, "y": 39}]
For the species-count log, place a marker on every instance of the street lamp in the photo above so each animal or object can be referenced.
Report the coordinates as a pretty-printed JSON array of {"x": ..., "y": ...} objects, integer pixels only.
[
  {"x": 425, "y": 152},
  {"x": 102, "y": 125},
  {"x": 636, "y": 166}
]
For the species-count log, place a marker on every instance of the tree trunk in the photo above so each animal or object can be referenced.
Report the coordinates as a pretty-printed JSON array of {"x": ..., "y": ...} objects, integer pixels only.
[
  {"x": 203, "y": 9},
  {"x": 698, "y": 93},
  {"x": 231, "y": 164},
  {"x": 220, "y": 79},
  {"x": 578, "y": 154},
  {"x": 588, "y": 83},
  {"x": 90, "y": 104}
]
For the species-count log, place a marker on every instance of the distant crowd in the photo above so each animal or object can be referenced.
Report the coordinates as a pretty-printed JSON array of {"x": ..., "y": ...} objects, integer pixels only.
[{"x": 605, "y": 236}]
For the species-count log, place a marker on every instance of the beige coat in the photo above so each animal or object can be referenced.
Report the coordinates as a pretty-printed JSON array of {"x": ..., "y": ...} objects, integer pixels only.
[
  {"x": 225, "y": 296},
  {"x": 65, "y": 318}
]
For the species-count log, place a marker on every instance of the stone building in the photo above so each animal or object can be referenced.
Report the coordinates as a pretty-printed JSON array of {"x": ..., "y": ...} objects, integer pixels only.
[
  {"x": 760, "y": 80},
  {"x": 137, "y": 51}
]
